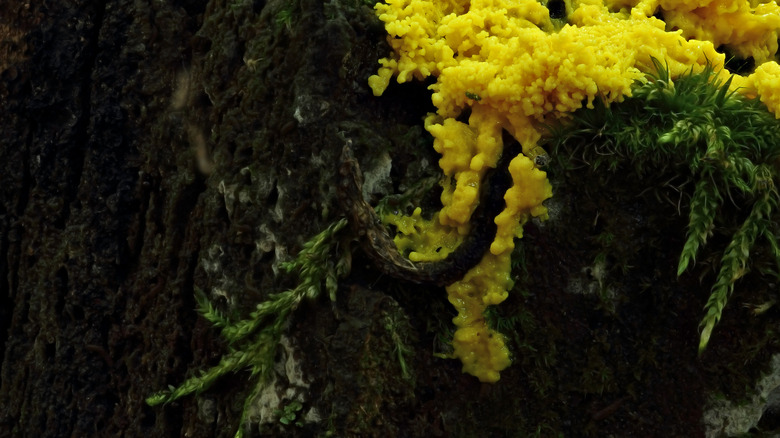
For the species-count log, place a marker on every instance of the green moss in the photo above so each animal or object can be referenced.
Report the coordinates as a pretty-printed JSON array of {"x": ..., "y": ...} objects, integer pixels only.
[
  {"x": 286, "y": 14},
  {"x": 722, "y": 143},
  {"x": 396, "y": 325},
  {"x": 254, "y": 341},
  {"x": 289, "y": 414}
]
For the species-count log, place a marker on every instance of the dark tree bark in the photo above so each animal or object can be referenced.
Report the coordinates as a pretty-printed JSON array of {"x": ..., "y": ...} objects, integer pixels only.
[{"x": 151, "y": 148}]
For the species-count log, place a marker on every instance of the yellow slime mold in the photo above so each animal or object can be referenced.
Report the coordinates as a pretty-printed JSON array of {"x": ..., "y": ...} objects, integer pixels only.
[{"x": 507, "y": 62}]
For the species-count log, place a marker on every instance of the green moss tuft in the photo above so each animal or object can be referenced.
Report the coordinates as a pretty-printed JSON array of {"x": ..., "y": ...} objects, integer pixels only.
[{"x": 697, "y": 127}]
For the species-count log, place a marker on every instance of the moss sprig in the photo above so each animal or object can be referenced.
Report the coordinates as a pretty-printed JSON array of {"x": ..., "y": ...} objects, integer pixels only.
[
  {"x": 701, "y": 220},
  {"x": 693, "y": 125},
  {"x": 253, "y": 341},
  {"x": 734, "y": 263}
]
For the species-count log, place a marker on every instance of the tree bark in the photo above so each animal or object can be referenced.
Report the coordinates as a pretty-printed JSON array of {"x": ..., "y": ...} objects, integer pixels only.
[{"x": 152, "y": 148}]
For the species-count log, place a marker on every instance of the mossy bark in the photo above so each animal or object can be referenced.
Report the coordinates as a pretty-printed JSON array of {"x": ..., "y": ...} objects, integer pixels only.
[{"x": 150, "y": 148}]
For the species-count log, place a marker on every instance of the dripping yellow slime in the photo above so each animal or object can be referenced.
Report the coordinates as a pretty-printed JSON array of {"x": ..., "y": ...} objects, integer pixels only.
[{"x": 513, "y": 67}]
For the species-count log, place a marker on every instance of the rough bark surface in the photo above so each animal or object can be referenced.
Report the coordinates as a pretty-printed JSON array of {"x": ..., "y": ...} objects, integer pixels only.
[{"x": 149, "y": 148}]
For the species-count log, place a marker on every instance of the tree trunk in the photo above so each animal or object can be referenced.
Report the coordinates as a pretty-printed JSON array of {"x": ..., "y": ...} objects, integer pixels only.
[{"x": 149, "y": 149}]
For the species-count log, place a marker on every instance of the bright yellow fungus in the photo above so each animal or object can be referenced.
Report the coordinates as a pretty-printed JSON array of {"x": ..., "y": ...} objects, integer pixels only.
[
  {"x": 766, "y": 82},
  {"x": 508, "y": 63}
]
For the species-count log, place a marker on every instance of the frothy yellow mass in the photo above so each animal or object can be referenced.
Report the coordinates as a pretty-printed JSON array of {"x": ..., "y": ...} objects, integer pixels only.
[{"x": 513, "y": 68}]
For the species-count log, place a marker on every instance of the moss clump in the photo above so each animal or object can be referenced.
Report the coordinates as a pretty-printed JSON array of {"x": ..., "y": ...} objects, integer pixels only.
[{"x": 721, "y": 141}]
